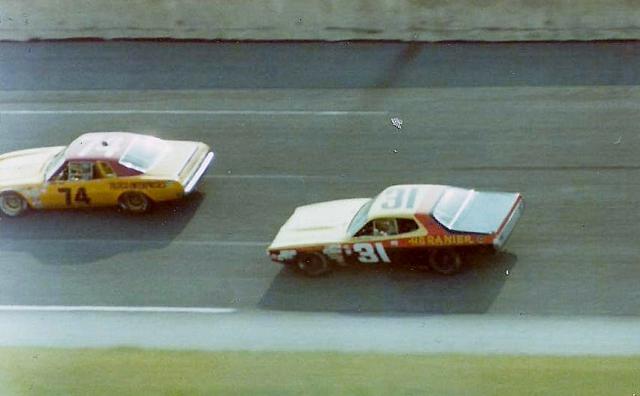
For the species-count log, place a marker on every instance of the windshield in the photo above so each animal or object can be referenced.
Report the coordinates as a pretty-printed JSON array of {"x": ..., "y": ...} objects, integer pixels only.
[
  {"x": 54, "y": 164},
  {"x": 143, "y": 153},
  {"x": 450, "y": 206},
  {"x": 360, "y": 218}
]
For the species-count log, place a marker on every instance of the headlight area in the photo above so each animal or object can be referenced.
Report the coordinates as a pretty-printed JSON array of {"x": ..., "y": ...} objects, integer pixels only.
[{"x": 281, "y": 256}]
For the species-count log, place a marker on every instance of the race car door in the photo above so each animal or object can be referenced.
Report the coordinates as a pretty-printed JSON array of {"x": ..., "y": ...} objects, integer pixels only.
[
  {"x": 379, "y": 241},
  {"x": 371, "y": 244},
  {"x": 74, "y": 186}
]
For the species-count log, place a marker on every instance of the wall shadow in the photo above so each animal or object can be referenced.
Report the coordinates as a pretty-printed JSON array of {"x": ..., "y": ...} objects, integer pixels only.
[
  {"x": 112, "y": 65},
  {"x": 73, "y": 237},
  {"x": 407, "y": 54},
  {"x": 392, "y": 290}
]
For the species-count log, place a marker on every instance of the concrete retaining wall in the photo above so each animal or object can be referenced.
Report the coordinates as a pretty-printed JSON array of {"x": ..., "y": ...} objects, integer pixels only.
[{"x": 427, "y": 20}]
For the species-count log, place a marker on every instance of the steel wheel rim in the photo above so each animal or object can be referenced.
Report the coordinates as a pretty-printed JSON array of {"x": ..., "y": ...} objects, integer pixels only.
[
  {"x": 312, "y": 265},
  {"x": 12, "y": 204},
  {"x": 136, "y": 202}
]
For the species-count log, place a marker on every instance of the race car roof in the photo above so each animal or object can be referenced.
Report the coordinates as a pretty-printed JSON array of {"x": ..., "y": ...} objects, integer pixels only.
[
  {"x": 102, "y": 145},
  {"x": 406, "y": 200}
]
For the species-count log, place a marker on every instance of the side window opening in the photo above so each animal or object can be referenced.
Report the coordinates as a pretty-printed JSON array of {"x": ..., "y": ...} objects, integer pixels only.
[
  {"x": 406, "y": 225},
  {"x": 103, "y": 170},
  {"x": 385, "y": 227},
  {"x": 62, "y": 174},
  {"x": 366, "y": 230},
  {"x": 78, "y": 171}
]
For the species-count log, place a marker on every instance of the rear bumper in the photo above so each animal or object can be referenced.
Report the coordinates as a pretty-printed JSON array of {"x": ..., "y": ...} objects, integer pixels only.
[
  {"x": 505, "y": 230},
  {"x": 195, "y": 177}
]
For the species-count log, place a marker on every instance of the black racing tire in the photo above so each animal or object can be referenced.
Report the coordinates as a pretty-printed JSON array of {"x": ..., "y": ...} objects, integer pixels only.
[
  {"x": 12, "y": 204},
  {"x": 134, "y": 202},
  {"x": 313, "y": 264},
  {"x": 445, "y": 261}
]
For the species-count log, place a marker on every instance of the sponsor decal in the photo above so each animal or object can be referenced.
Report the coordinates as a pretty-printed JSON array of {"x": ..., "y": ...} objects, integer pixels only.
[
  {"x": 418, "y": 241},
  {"x": 437, "y": 240},
  {"x": 34, "y": 195},
  {"x": 143, "y": 185},
  {"x": 334, "y": 252},
  {"x": 444, "y": 240}
]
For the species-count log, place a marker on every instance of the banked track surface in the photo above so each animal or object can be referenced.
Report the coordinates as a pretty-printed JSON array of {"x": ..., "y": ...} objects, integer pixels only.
[{"x": 570, "y": 147}]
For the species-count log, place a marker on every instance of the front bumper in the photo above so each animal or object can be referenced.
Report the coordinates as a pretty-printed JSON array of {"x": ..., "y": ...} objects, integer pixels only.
[{"x": 282, "y": 256}]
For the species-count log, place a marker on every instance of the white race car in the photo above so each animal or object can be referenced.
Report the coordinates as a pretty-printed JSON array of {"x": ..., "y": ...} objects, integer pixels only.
[{"x": 420, "y": 225}]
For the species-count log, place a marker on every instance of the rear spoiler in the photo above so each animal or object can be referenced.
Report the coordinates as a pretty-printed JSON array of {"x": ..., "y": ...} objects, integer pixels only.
[
  {"x": 507, "y": 226},
  {"x": 185, "y": 164},
  {"x": 195, "y": 176}
]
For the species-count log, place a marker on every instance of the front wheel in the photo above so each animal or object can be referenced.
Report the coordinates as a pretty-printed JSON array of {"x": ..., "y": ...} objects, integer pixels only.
[
  {"x": 445, "y": 261},
  {"x": 12, "y": 204},
  {"x": 314, "y": 264},
  {"x": 135, "y": 202}
]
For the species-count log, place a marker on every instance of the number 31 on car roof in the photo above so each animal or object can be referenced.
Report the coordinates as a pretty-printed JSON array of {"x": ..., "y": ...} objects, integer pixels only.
[{"x": 400, "y": 198}]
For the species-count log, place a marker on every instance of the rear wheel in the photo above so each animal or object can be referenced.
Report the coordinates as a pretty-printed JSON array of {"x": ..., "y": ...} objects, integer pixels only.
[
  {"x": 314, "y": 264},
  {"x": 135, "y": 202},
  {"x": 445, "y": 261},
  {"x": 12, "y": 204}
]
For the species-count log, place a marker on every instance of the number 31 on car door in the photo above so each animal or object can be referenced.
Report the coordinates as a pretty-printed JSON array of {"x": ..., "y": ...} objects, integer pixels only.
[{"x": 371, "y": 253}]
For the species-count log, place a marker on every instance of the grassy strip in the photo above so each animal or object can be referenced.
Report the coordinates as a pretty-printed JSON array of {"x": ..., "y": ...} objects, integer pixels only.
[{"x": 142, "y": 372}]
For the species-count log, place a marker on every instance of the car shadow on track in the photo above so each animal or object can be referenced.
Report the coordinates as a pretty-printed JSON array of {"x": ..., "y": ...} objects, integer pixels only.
[
  {"x": 74, "y": 237},
  {"x": 392, "y": 290}
]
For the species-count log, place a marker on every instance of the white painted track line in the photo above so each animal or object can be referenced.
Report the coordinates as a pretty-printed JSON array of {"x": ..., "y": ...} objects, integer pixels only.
[
  {"x": 196, "y": 112},
  {"x": 89, "y": 308},
  {"x": 276, "y": 177}
]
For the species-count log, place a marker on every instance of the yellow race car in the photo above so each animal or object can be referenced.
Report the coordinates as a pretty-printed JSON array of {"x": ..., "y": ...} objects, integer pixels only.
[{"x": 101, "y": 169}]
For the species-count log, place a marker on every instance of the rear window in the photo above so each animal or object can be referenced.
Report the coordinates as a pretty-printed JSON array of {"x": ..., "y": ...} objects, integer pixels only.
[
  {"x": 143, "y": 153},
  {"x": 449, "y": 205}
]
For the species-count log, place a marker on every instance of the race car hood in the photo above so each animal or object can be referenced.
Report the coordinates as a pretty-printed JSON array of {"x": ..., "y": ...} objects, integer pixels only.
[
  {"x": 483, "y": 212},
  {"x": 318, "y": 224},
  {"x": 25, "y": 166}
]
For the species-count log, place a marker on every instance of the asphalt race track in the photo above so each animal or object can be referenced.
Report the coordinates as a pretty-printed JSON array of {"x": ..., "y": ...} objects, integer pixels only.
[{"x": 299, "y": 123}]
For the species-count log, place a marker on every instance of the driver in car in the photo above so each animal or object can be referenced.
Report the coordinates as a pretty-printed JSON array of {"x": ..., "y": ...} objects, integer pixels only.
[{"x": 385, "y": 227}]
